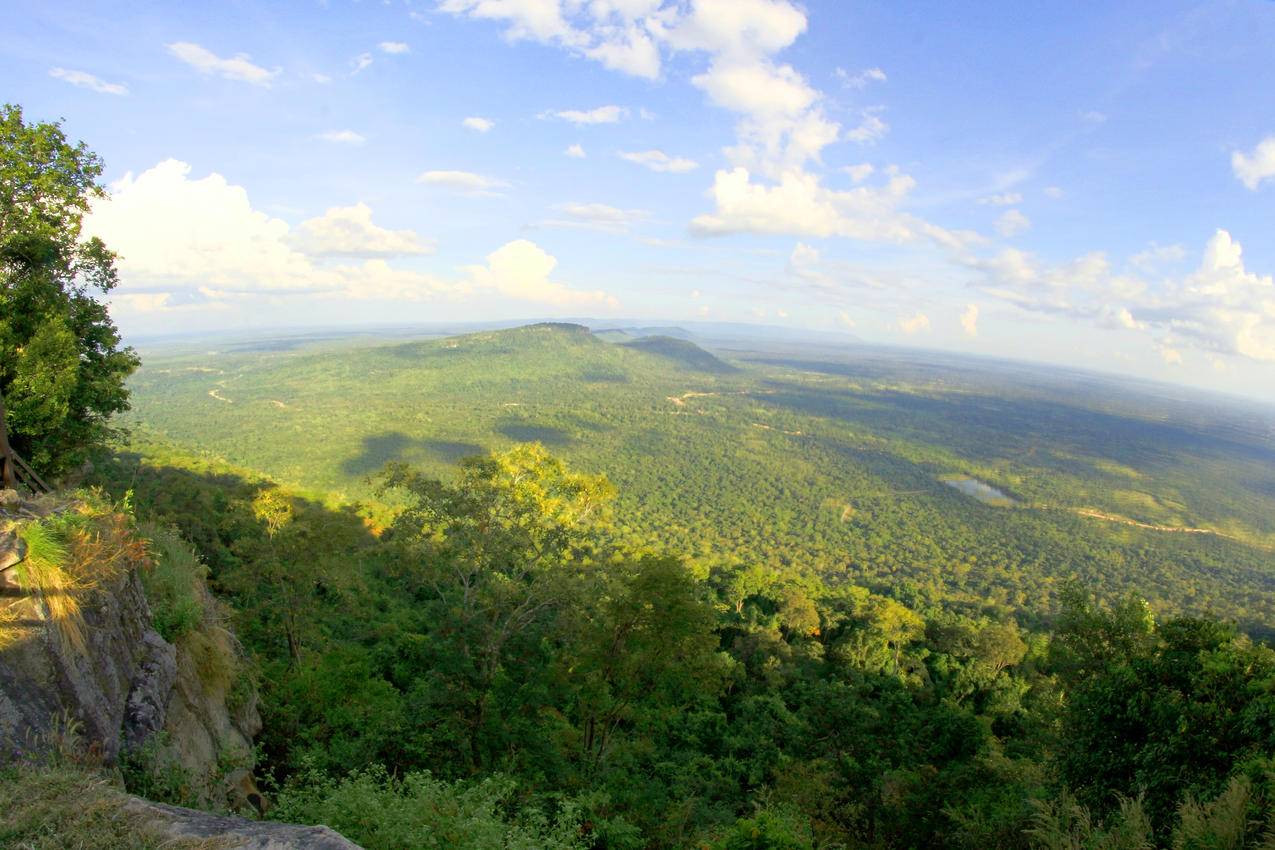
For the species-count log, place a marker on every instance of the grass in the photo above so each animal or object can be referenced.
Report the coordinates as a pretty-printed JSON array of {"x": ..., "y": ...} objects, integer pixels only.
[
  {"x": 72, "y": 552},
  {"x": 71, "y": 808},
  {"x": 173, "y": 584}
]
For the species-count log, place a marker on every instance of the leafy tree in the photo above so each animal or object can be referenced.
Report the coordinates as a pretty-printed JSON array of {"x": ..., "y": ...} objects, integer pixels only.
[
  {"x": 494, "y": 556},
  {"x": 62, "y": 368}
]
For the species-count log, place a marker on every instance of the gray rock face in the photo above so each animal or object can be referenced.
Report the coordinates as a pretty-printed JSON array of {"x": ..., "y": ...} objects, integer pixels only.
[
  {"x": 236, "y": 833},
  {"x": 145, "y": 711},
  {"x": 43, "y": 679}
]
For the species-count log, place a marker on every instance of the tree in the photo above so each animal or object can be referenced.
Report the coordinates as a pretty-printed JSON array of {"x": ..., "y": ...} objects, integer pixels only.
[
  {"x": 496, "y": 555},
  {"x": 62, "y": 367}
]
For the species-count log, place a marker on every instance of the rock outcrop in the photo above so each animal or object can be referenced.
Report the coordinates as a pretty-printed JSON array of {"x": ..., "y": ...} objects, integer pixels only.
[
  {"x": 233, "y": 833},
  {"x": 125, "y": 685}
]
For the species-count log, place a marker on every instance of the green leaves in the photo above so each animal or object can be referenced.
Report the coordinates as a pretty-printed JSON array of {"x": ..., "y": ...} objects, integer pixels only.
[{"x": 62, "y": 369}]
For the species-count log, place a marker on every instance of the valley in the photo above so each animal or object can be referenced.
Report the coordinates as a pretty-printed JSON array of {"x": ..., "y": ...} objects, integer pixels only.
[{"x": 983, "y": 482}]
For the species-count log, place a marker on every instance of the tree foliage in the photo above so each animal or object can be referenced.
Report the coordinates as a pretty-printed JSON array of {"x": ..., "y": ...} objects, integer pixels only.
[{"x": 62, "y": 367}]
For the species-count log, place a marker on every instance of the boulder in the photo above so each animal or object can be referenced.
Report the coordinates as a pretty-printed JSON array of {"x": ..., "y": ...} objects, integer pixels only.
[{"x": 234, "y": 833}]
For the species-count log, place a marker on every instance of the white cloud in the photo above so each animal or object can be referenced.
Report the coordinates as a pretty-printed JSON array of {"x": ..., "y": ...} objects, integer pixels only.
[
  {"x": 1005, "y": 199},
  {"x": 601, "y": 115},
  {"x": 360, "y": 63},
  {"x": 861, "y": 79},
  {"x": 343, "y": 137},
  {"x": 199, "y": 245},
  {"x": 239, "y": 68},
  {"x": 628, "y": 49},
  {"x": 394, "y": 48},
  {"x": 799, "y": 205},
  {"x": 1093, "y": 116},
  {"x": 350, "y": 232},
  {"x": 169, "y": 228},
  {"x": 463, "y": 181},
  {"x": 1253, "y": 168},
  {"x": 871, "y": 128},
  {"x": 1054, "y": 192},
  {"x": 1155, "y": 256},
  {"x": 1221, "y": 307},
  {"x": 1170, "y": 355},
  {"x": 782, "y": 124},
  {"x": 321, "y": 79},
  {"x": 575, "y": 152},
  {"x": 481, "y": 125},
  {"x": 844, "y": 319},
  {"x": 914, "y": 324},
  {"x": 85, "y": 80},
  {"x": 521, "y": 269},
  {"x": 1012, "y": 223},
  {"x": 595, "y": 216},
  {"x": 658, "y": 160},
  {"x": 535, "y": 20},
  {"x": 859, "y": 173},
  {"x": 969, "y": 320}
]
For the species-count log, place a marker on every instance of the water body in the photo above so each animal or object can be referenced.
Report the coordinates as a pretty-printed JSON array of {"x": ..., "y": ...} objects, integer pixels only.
[{"x": 985, "y": 493}]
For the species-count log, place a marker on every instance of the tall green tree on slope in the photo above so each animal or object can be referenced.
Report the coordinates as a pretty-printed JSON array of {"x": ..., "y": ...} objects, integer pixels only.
[{"x": 62, "y": 367}]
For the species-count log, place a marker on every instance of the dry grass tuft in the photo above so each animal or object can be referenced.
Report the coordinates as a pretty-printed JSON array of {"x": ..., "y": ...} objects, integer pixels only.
[{"x": 70, "y": 554}]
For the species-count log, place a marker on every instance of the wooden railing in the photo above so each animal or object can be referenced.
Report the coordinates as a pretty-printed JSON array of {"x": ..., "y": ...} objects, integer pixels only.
[
  {"x": 13, "y": 469},
  {"x": 27, "y": 476}
]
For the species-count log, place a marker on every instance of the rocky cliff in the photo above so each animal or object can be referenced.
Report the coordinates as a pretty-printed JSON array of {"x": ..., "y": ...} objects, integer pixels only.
[{"x": 82, "y": 664}]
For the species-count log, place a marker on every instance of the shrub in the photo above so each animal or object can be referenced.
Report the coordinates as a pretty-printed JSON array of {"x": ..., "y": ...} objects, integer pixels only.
[
  {"x": 419, "y": 812},
  {"x": 173, "y": 584}
]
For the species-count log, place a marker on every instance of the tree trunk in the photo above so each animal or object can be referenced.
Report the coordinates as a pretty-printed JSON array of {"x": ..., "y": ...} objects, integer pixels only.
[{"x": 8, "y": 475}]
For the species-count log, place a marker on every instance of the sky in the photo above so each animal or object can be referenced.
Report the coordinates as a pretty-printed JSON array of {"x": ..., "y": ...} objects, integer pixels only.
[{"x": 1088, "y": 185}]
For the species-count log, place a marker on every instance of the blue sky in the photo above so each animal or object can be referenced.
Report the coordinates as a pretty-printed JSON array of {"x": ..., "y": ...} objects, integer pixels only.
[{"x": 1063, "y": 182}]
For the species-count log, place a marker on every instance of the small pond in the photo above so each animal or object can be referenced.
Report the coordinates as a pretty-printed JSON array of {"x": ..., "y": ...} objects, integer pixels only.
[{"x": 985, "y": 493}]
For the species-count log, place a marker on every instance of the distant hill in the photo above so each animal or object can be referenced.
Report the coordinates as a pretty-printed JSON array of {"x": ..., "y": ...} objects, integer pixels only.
[
  {"x": 662, "y": 330},
  {"x": 835, "y": 464},
  {"x": 682, "y": 351}
]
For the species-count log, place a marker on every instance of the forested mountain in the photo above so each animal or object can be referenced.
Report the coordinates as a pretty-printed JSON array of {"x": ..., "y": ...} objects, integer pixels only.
[{"x": 830, "y": 465}]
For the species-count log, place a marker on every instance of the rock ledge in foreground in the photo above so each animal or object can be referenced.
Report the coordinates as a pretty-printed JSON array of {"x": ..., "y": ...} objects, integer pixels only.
[{"x": 238, "y": 833}]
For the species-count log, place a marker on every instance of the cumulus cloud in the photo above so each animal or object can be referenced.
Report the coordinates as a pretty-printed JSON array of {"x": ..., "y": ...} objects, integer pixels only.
[
  {"x": 575, "y": 152},
  {"x": 658, "y": 160},
  {"x": 593, "y": 216},
  {"x": 1257, "y": 166},
  {"x": 1221, "y": 307},
  {"x": 782, "y": 125},
  {"x": 1012, "y": 223},
  {"x": 859, "y": 173},
  {"x": 199, "y": 244},
  {"x": 600, "y": 115},
  {"x": 521, "y": 269},
  {"x": 478, "y": 124},
  {"x": 1005, "y": 199},
  {"x": 871, "y": 128},
  {"x": 360, "y": 63},
  {"x": 239, "y": 67},
  {"x": 799, "y": 205},
  {"x": 861, "y": 79},
  {"x": 171, "y": 229},
  {"x": 914, "y": 324},
  {"x": 343, "y": 137},
  {"x": 350, "y": 232},
  {"x": 1155, "y": 257},
  {"x": 466, "y": 182},
  {"x": 85, "y": 80},
  {"x": 394, "y": 48},
  {"x": 969, "y": 320}
]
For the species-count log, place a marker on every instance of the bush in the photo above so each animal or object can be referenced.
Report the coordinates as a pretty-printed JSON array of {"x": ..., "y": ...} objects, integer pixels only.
[
  {"x": 173, "y": 585},
  {"x": 767, "y": 830},
  {"x": 419, "y": 812}
]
